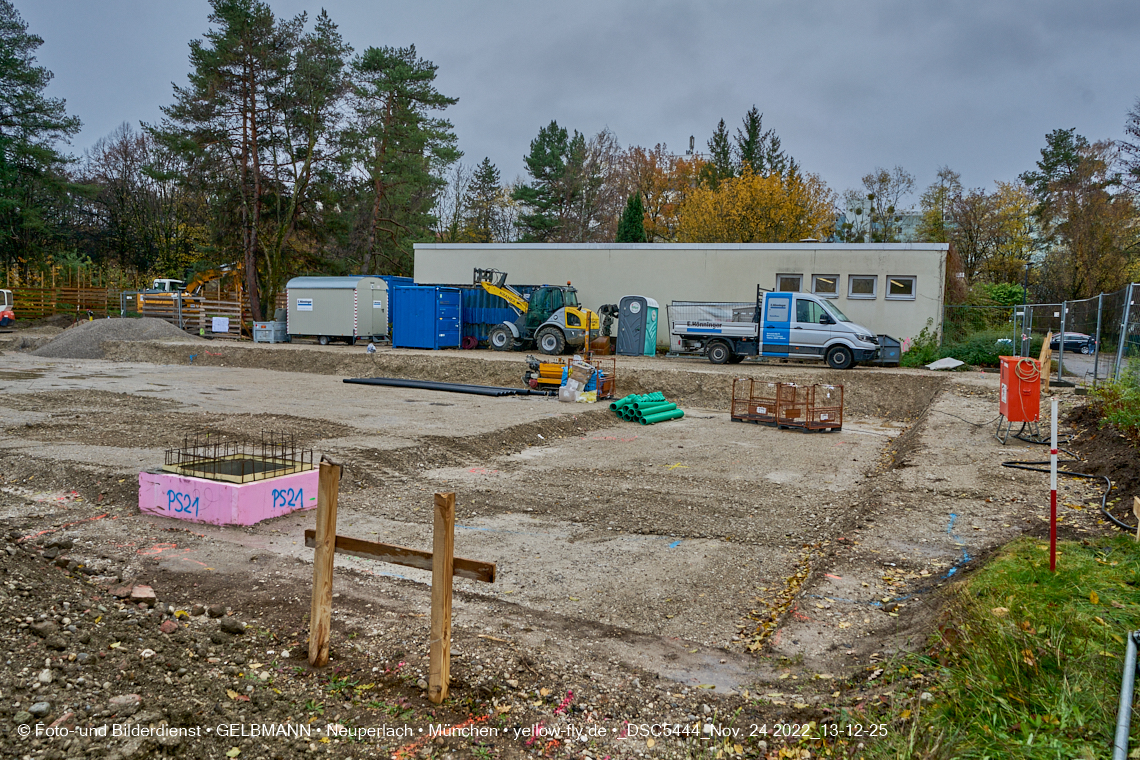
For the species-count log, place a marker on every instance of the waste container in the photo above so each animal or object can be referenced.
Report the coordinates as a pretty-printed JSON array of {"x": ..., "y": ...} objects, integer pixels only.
[{"x": 890, "y": 351}]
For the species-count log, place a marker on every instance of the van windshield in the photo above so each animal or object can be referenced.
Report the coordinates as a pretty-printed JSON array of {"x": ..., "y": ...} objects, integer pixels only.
[{"x": 834, "y": 311}]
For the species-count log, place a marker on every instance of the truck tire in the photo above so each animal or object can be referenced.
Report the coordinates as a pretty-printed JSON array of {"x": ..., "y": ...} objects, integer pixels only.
[
  {"x": 719, "y": 353},
  {"x": 736, "y": 359},
  {"x": 323, "y": 340},
  {"x": 840, "y": 357},
  {"x": 501, "y": 338},
  {"x": 550, "y": 341}
]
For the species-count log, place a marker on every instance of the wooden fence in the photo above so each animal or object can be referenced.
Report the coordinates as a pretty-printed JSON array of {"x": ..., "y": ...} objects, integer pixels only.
[
  {"x": 31, "y": 303},
  {"x": 194, "y": 314}
]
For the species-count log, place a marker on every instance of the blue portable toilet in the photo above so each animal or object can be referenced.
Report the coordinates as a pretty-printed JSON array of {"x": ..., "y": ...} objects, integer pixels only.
[
  {"x": 637, "y": 326},
  {"x": 427, "y": 317}
]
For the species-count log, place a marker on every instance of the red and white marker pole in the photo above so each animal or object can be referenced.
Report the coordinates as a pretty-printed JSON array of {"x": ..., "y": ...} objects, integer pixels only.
[{"x": 1053, "y": 489}]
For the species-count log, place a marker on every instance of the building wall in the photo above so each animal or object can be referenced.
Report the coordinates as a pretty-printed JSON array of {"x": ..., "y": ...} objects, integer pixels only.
[{"x": 604, "y": 272}]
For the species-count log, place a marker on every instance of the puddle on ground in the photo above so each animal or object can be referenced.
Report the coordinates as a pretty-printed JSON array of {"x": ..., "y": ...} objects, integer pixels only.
[{"x": 20, "y": 374}]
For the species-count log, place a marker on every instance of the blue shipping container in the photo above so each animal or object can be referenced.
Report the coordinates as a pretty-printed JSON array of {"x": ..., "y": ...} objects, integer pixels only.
[{"x": 426, "y": 317}]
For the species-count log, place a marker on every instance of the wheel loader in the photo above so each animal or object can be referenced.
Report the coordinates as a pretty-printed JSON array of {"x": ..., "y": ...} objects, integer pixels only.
[{"x": 549, "y": 319}]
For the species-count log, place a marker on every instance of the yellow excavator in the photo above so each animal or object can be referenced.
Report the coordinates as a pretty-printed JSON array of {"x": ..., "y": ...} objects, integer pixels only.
[
  {"x": 550, "y": 318},
  {"x": 197, "y": 282}
]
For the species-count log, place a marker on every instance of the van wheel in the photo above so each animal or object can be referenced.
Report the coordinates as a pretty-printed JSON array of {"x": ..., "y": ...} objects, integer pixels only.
[
  {"x": 840, "y": 357},
  {"x": 551, "y": 341},
  {"x": 323, "y": 340},
  {"x": 501, "y": 338},
  {"x": 719, "y": 353}
]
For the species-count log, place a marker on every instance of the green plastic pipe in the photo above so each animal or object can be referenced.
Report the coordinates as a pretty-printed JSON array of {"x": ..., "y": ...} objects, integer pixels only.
[
  {"x": 653, "y": 419},
  {"x": 661, "y": 406}
]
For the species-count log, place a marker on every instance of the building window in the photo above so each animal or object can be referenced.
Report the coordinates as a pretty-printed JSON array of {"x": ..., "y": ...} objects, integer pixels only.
[
  {"x": 826, "y": 285},
  {"x": 900, "y": 288},
  {"x": 862, "y": 286},
  {"x": 789, "y": 283}
]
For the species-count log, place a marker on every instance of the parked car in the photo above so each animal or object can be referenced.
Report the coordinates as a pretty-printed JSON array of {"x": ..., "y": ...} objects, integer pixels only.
[{"x": 1074, "y": 342}]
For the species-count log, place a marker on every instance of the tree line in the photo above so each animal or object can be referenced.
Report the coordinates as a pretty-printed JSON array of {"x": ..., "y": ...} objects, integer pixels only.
[{"x": 289, "y": 152}]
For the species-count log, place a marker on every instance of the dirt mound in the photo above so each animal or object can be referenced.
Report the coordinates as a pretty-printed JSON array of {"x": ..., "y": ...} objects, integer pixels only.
[
  {"x": 85, "y": 340},
  {"x": 1106, "y": 452}
]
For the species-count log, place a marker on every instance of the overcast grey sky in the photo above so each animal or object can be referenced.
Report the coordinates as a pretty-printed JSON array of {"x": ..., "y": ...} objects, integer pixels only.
[{"x": 847, "y": 85}]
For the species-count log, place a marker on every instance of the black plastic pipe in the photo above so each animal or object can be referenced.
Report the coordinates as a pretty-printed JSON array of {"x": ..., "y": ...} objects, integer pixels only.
[{"x": 432, "y": 385}]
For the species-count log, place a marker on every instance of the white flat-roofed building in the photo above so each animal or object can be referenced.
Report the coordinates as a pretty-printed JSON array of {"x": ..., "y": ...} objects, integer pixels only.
[{"x": 891, "y": 288}]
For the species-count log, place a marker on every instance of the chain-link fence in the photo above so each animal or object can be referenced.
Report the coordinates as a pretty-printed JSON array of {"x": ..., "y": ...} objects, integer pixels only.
[{"x": 1100, "y": 335}]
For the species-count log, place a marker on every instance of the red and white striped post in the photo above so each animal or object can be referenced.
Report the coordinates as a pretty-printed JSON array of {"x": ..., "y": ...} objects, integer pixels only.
[{"x": 1053, "y": 489}]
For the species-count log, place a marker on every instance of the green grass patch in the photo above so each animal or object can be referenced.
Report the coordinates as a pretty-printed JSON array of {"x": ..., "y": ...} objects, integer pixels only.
[{"x": 1027, "y": 663}]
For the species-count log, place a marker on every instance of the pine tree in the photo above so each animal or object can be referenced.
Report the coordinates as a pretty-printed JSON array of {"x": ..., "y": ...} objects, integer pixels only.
[
  {"x": 761, "y": 150},
  {"x": 631, "y": 228},
  {"x": 544, "y": 199},
  {"x": 401, "y": 149},
  {"x": 484, "y": 204},
  {"x": 33, "y": 186},
  {"x": 720, "y": 165}
]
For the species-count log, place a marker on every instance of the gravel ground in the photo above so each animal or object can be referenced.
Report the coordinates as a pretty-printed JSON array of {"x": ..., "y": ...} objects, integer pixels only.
[{"x": 695, "y": 573}]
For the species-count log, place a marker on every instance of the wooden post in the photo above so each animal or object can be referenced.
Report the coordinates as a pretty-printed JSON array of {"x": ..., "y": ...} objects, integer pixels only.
[
  {"x": 443, "y": 549},
  {"x": 1046, "y": 360},
  {"x": 320, "y": 615},
  {"x": 1136, "y": 514}
]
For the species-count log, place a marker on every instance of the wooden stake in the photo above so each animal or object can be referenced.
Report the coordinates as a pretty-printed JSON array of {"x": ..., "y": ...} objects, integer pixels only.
[
  {"x": 1136, "y": 514},
  {"x": 320, "y": 615},
  {"x": 443, "y": 549},
  {"x": 1046, "y": 361}
]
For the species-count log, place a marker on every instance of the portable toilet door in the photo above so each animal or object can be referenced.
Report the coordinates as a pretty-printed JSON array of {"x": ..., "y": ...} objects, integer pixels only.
[
  {"x": 633, "y": 313},
  {"x": 651, "y": 311}
]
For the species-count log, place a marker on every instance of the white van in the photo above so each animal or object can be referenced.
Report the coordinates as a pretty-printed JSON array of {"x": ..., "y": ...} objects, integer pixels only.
[{"x": 783, "y": 325}]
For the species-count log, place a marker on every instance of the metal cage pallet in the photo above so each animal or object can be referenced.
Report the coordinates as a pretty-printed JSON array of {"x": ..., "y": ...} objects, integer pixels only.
[{"x": 788, "y": 405}]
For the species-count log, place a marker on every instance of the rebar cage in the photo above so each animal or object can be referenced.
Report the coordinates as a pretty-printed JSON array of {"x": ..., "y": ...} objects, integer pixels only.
[{"x": 205, "y": 456}]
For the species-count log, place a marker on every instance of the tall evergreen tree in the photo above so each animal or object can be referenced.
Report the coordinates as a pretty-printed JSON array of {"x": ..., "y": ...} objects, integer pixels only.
[
  {"x": 758, "y": 149},
  {"x": 631, "y": 228},
  {"x": 225, "y": 119},
  {"x": 33, "y": 186},
  {"x": 720, "y": 165},
  {"x": 483, "y": 219},
  {"x": 401, "y": 148},
  {"x": 545, "y": 199}
]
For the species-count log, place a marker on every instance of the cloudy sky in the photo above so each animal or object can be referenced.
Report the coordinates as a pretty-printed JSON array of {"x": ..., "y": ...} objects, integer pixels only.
[{"x": 848, "y": 85}]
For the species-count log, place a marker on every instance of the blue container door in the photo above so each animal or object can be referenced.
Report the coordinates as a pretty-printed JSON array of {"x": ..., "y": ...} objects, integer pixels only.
[
  {"x": 413, "y": 318},
  {"x": 448, "y": 318}
]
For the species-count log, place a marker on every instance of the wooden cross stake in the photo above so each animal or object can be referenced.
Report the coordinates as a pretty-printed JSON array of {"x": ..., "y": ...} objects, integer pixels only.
[{"x": 441, "y": 561}]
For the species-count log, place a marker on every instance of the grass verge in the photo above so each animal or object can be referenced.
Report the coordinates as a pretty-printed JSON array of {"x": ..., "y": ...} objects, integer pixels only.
[{"x": 1026, "y": 663}]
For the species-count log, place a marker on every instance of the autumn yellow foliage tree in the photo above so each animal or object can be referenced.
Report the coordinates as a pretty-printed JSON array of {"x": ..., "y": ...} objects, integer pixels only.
[
  {"x": 759, "y": 209},
  {"x": 664, "y": 181}
]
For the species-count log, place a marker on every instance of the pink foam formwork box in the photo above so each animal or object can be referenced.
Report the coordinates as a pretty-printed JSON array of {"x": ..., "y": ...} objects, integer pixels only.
[{"x": 219, "y": 503}]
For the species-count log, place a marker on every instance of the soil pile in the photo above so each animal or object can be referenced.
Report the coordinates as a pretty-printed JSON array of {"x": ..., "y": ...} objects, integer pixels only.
[
  {"x": 1106, "y": 452},
  {"x": 85, "y": 340}
]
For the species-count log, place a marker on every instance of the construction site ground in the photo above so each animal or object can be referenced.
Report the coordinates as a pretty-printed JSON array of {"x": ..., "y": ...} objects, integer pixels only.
[{"x": 698, "y": 572}]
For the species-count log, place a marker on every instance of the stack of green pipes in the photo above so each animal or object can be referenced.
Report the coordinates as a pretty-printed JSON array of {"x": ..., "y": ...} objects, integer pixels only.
[{"x": 647, "y": 409}]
